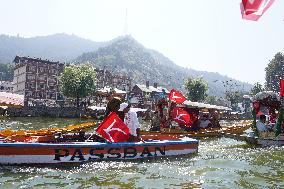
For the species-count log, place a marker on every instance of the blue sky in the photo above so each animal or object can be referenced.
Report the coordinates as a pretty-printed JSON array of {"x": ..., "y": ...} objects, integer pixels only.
[{"x": 204, "y": 35}]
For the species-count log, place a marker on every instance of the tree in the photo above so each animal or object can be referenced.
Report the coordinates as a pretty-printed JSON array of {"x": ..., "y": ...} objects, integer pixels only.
[
  {"x": 234, "y": 97},
  {"x": 78, "y": 81},
  {"x": 211, "y": 100},
  {"x": 257, "y": 87},
  {"x": 196, "y": 89},
  {"x": 274, "y": 72},
  {"x": 6, "y": 72}
]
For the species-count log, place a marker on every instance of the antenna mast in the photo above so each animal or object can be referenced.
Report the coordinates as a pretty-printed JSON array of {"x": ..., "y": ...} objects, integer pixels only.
[{"x": 125, "y": 24}]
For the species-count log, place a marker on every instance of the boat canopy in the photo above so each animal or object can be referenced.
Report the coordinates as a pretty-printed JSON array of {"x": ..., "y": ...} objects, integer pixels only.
[
  {"x": 104, "y": 108},
  {"x": 203, "y": 105}
]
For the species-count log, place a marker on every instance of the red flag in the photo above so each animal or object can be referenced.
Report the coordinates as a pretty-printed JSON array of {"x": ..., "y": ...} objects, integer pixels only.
[
  {"x": 113, "y": 129},
  {"x": 181, "y": 116},
  {"x": 281, "y": 87},
  {"x": 251, "y": 6},
  {"x": 254, "y": 9},
  {"x": 176, "y": 96}
]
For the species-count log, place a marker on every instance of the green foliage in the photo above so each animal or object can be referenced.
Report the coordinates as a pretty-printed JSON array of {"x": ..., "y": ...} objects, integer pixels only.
[
  {"x": 78, "y": 81},
  {"x": 274, "y": 71},
  {"x": 6, "y": 72},
  {"x": 211, "y": 100},
  {"x": 234, "y": 97},
  {"x": 257, "y": 87},
  {"x": 196, "y": 89}
]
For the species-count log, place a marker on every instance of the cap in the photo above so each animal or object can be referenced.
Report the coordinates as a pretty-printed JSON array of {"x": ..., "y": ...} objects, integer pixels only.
[{"x": 123, "y": 106}]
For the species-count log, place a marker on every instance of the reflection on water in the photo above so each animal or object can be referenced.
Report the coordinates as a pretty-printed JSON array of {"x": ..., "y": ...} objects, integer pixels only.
[{"x": 220, "y": 163}]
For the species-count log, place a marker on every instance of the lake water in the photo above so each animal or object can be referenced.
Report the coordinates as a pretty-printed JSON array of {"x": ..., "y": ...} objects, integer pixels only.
[{"x": 220, "y": 163}]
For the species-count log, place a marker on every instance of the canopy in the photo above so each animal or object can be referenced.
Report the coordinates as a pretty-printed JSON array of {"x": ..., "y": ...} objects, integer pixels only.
[
  {"x": 103, "y": 108},
  {"x": 268, "y": 98},
  {"x": 203, "y": 105},
  {"x": 107, "y": 89},
  {"x": 11, "y": 99}
]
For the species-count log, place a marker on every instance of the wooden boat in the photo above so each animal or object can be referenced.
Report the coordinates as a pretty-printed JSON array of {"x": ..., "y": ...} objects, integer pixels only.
[
  {"x": 77, "y": 152},
  {"x": 210, "y": 132},
  {"x": 264, "y": 139},
  {"x": 49, "y": 131}
]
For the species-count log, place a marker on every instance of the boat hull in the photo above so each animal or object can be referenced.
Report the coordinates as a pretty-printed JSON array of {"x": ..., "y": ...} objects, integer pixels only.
[{"x": 49, "y": 153}]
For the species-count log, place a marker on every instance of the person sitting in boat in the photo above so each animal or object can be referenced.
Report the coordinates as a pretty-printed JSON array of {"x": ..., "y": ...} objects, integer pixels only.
[
  {"x": 155, "y": 122},
  {"x": 260, "y": 124},
  {"x": 204, "y": 122},
  {"x": 131, "y": 120},
  {"x": 215, "y": 119}
]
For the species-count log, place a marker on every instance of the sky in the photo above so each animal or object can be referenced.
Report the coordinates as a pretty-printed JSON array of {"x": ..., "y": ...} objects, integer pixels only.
[{"x": 206, "y": 35}]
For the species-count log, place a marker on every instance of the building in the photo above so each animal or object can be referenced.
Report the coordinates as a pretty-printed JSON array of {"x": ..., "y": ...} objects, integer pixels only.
[
  {"x": 36, "y": 78},
  {"x": 106, "y": 79},
  {"x": 6, "y": 86},
  {"x": 144, "y": 96}
]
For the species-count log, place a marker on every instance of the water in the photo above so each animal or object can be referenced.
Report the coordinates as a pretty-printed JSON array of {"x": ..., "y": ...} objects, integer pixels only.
[{"x": 220, "y": 163}]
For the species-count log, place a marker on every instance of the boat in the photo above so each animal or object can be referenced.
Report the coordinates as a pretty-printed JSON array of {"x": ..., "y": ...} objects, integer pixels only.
[
  {"x": 274, "y": 137},
  {"x": 210, "y": 132},
  {"x": 79, "y": 152},
  {"x": 48, "y": 131},
  {"x": 265, "y": 139}
]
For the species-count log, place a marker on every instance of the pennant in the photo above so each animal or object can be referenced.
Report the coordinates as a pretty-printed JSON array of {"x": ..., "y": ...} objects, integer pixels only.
[
  {"x": 181, "y": 116},
  {"x": 254, "y": 9},
  {"x": 281, "y": 87},
  {"x": 113, "y": 129},
  {"x": 176, "y": 96}
]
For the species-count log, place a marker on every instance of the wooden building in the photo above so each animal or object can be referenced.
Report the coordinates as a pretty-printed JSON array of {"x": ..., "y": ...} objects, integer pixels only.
[{"x": 145, "y": 96}]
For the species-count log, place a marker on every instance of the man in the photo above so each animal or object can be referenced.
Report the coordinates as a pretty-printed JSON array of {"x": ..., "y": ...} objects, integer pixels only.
[
  {"x": 131, "y": 120},
  {"x": 113, "y": 104},
  {"x": 260, "y": 124},
  {"x": 204, "y": 122}
]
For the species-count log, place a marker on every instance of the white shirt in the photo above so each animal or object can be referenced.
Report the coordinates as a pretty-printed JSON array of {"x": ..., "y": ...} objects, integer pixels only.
[
  {"x": 132, "y": 122},
  {"x": 261, "y": 126},
  {"x": 204, "y": 123}
]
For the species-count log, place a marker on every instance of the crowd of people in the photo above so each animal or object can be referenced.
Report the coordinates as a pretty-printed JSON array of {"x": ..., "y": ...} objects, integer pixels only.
[{"x": 161, "y": 117}]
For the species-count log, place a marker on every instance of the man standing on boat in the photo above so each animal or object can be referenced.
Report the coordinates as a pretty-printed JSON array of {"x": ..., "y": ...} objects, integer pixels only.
[
  {"x": 113, "y": 104},
  {"x": 131, "y": 120}
]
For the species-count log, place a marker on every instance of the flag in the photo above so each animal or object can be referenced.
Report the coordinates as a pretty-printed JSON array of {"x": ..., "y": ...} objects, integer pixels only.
[
  {"x": 113, "y": 129},
  {"x": 181, "y": 116},
  {"x": 281, "y": 87},
  {"x": 254, "y": 9},
  {"x": 176, "y": 96},
  {"x": 251, "y": 6}
]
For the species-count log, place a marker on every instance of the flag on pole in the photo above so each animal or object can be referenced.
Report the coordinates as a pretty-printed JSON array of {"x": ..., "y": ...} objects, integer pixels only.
[
  {"x": 254, "y": 9},
  {"x": 181, "y": 116},
  {"x": 113, "y": 129},
  {"x": 176, "y": 96}
]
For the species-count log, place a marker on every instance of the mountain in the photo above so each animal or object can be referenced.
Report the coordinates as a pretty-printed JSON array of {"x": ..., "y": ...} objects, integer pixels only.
[
  {"x": 59, "y": 47},
  {"x": 125, "y": 55}
]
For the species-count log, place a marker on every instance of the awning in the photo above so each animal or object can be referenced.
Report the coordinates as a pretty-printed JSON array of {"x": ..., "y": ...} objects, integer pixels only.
[
  {"x": 108, "y": 89},
  {"x": 11, "y": 99},
  {"x": 103, "y": 108}
]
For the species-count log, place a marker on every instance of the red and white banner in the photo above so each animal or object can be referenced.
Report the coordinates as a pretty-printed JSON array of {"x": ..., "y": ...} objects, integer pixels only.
[
  {"x": 281, "y": 87},
  {"x": 181, "y": 116},
  {"x": 176, "y": 96},
  {"x": 113, "y": 129},
  {"x": 254, "y": 9}
]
